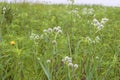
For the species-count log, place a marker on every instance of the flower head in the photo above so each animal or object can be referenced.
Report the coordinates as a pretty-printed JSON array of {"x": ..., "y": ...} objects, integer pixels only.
[
  {"x": 70, "y": 64},
  {"x": 48, "y": 61},
  {"x": 75, "y": 66},
  {"x": 13, "y": 43}
]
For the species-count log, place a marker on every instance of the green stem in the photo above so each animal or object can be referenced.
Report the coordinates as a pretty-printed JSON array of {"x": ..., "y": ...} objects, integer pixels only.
[{"x": 69, "y": 45}]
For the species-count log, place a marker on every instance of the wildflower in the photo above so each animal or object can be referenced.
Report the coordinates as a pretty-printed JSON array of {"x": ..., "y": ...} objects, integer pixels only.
[
  {"x": 84, "y": 11},
  {"x": 55, "y": 28},
  {"x": 97, "y": 39},
  {"x": 75, "y": 66},
  {"x": 49, "y": 30},
  {"x": 34, "y": 36},
  {"x": 74, "y": 11},
  {"x": 44, "y": 30},
  {"x": 13, "y": 43},
  {"x": 37, "y": 37},
  {"x": 97, "y": 57},
  {"x": 54, "y": 42},
  {"x": 95, "y": 22},
  {"x": 90, "y": 11},
  {"x": 59, "y": 27},
  {"x": 60, "y": 31},
  {"x": 48, "y": 61},
  {"x": 38, "y": 58},
  {"x": 88, "y": 39},
  {"x": 104, "y": 20},
  {"x": 100, "y": 26},
  {"x": 70, "y": 64},
  {"x": 67, "y": 60},
  {"x": 4, "y": 10}
]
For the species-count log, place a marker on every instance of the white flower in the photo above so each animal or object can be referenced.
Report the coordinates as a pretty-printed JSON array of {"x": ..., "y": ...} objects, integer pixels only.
[
  {"x": 59, "y": 31},
  {"x": 99, "y": 26},
  {"x": 66, "y": 58},
  {"x": 50, "y": 30},
  {"x": 70, "y": 64},
  {"x": 84, "y": 11},
  {"x": 104, "y": 20},
  {"x": 4, "y": 8},
  {"x": 59, "y": 27},
  {"x": 88, "y": 39},
  {"x": 37, "y": 37},
  {"x": 48, "y": 61},
  {"x": 74, "y": 11},
  {"x": 54, "y": 42},
  {"x": 87, "y": 11},
  {"x": 44, "y": 30},
  {"x": 90, "y": 11},
  {"x": 95, "y": 22},
  {"x": 97, "y": 57},
  {"x": 97, "y": 39},
  {"x": 34, "y": 36},
  {"x": 55, "y": 28},
  {"x": 69, "y": 60},
  {"x": 75, "y": 66},
  {"x": 38, "y": 58}
]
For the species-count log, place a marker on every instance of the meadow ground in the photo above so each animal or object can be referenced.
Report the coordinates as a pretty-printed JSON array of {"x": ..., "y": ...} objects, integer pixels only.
[{"x": 59, "y": 42}]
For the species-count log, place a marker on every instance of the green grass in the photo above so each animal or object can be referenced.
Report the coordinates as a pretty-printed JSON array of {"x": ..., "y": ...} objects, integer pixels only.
[{"x": 27, "y": 58}]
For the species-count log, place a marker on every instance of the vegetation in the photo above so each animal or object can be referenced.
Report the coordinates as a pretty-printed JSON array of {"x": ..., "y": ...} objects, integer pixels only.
[{"x": 59, "y": 42}]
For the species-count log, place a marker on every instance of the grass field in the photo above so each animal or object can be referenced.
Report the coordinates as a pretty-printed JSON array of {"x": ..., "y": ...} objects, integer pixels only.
[{"x": 59, "y": 42}]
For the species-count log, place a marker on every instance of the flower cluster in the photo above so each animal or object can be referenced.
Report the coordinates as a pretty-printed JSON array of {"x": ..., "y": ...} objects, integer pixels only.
[
  {"x": 55, "y": 29},
  {"x": 98, "y": 24},
  {"x": 34, "y": 36},
  {"x": 75, "y": 12},
  {"x": 68, "y": 60},
  {"x": 96, "y": 40},
  {"x": 104, "y": 20},
  {"x": 86, "y": 11},
  {"x": 4, "y": 10}
]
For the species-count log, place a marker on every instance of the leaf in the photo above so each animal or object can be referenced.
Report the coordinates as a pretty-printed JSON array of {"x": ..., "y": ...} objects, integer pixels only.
[{"x": 45, "y": 70}]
